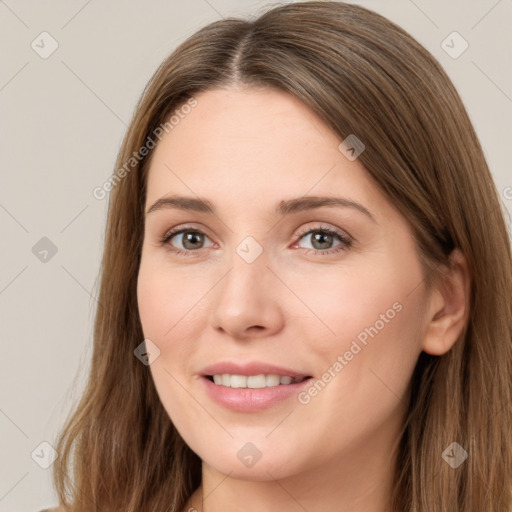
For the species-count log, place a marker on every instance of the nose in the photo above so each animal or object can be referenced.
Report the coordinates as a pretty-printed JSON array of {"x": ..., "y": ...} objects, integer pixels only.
[{"x": 248, "y": 300}]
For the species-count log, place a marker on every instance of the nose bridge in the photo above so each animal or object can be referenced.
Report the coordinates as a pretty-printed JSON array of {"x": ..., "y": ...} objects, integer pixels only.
[
  {"x": 249, "y": 273},
  {"x": 250, "y": 250},
  {"x": 246, "y": 297}
]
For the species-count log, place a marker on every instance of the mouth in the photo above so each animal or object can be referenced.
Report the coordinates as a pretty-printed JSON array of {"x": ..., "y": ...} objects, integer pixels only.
[
  {"x": 254, "y": 381},
  {"x": 252, "y": 386}
]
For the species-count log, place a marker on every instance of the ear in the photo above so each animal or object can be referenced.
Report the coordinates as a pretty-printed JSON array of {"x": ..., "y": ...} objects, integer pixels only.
[{"x": 448, "y": 310}]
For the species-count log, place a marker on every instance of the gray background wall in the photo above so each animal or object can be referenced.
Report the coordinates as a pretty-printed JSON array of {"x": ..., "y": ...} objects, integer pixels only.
[{"x": 62, "y": 120}]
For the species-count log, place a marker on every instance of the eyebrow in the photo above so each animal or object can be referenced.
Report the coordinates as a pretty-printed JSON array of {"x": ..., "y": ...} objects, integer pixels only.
[{"x": 287, "y": 207}]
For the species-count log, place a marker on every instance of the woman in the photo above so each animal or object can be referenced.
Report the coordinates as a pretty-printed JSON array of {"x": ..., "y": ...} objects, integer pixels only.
[{"x": 306, "y": 284}]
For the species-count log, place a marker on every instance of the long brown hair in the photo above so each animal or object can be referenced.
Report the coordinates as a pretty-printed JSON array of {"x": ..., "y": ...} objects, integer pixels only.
[{"x": 362, "y": 75}]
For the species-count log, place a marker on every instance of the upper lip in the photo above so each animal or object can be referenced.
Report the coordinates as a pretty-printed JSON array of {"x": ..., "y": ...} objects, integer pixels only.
[{"x": 250, "y": 368}]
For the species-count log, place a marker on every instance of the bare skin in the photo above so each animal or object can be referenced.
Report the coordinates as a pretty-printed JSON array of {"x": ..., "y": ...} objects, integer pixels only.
[{"x": 301, "y": 304}]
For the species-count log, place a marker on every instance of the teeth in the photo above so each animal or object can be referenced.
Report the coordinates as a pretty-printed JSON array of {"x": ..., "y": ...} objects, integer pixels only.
[
  {"x": 238, "y": 381},
  {"x": 254, "y": 381},
  {"x": 272, "y": 380},
  {"x": 257, "y": 381}
]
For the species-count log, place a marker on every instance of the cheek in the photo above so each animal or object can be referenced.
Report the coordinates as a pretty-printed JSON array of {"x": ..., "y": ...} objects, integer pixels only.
[
  {"x": 171, "y": 309},
  {"x": 167, "y": 314},
  {"x": 163, "y": 314},
  {"x": 365, "y": 367},
  {"x": 373, "y": 312},
  {"x": 167, "y": 301},
  {"x": 355, "y": 301}
]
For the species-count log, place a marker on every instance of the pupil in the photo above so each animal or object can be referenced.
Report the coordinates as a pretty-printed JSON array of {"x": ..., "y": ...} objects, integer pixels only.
[
  {"x": 318, "y": 238},
  {"x": 189, "y": 237}
]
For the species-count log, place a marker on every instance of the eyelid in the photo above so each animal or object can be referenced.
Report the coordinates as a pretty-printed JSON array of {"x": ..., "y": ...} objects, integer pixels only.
[
  {"x": 185, "y": 227},
  {"x": 322, "y": 227},
  {"x": 302, "y": 231}
]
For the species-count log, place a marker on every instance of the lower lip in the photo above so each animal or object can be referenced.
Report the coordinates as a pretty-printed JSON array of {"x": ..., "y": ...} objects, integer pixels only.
[{"x": 250, "y": 400}]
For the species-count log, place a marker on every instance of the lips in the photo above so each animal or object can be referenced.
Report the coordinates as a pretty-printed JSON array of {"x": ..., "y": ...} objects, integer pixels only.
[
  {"x": 247, "y": 400},
  {"x": 244, "y": 391}
]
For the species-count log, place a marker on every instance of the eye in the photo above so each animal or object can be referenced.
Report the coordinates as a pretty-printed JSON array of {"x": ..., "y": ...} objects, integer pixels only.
[
  {"x": 191, "y": 239},
  {"x": 323, "y": 238}
]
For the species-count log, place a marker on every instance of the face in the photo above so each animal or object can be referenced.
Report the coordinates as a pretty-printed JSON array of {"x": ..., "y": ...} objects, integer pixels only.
[{"x": 261, "y": 283}]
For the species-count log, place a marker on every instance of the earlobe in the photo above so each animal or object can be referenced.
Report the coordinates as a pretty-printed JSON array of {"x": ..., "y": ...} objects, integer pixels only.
[{"x": 449, "y": 307}]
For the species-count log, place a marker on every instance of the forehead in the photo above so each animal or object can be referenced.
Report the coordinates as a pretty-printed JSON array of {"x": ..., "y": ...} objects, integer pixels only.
[{"x": 254, "y": 147}]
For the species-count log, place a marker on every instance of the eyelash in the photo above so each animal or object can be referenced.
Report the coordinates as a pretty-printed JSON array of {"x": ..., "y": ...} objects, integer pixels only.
[{"x": 346, "y": 241}]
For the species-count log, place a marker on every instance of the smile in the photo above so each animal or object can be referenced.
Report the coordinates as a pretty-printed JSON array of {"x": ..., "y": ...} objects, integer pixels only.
[{"x": 247, "y": 393}]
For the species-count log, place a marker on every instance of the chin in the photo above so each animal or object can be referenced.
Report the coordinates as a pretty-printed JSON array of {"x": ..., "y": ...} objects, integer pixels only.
[{"x": 259, "y": 459}]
